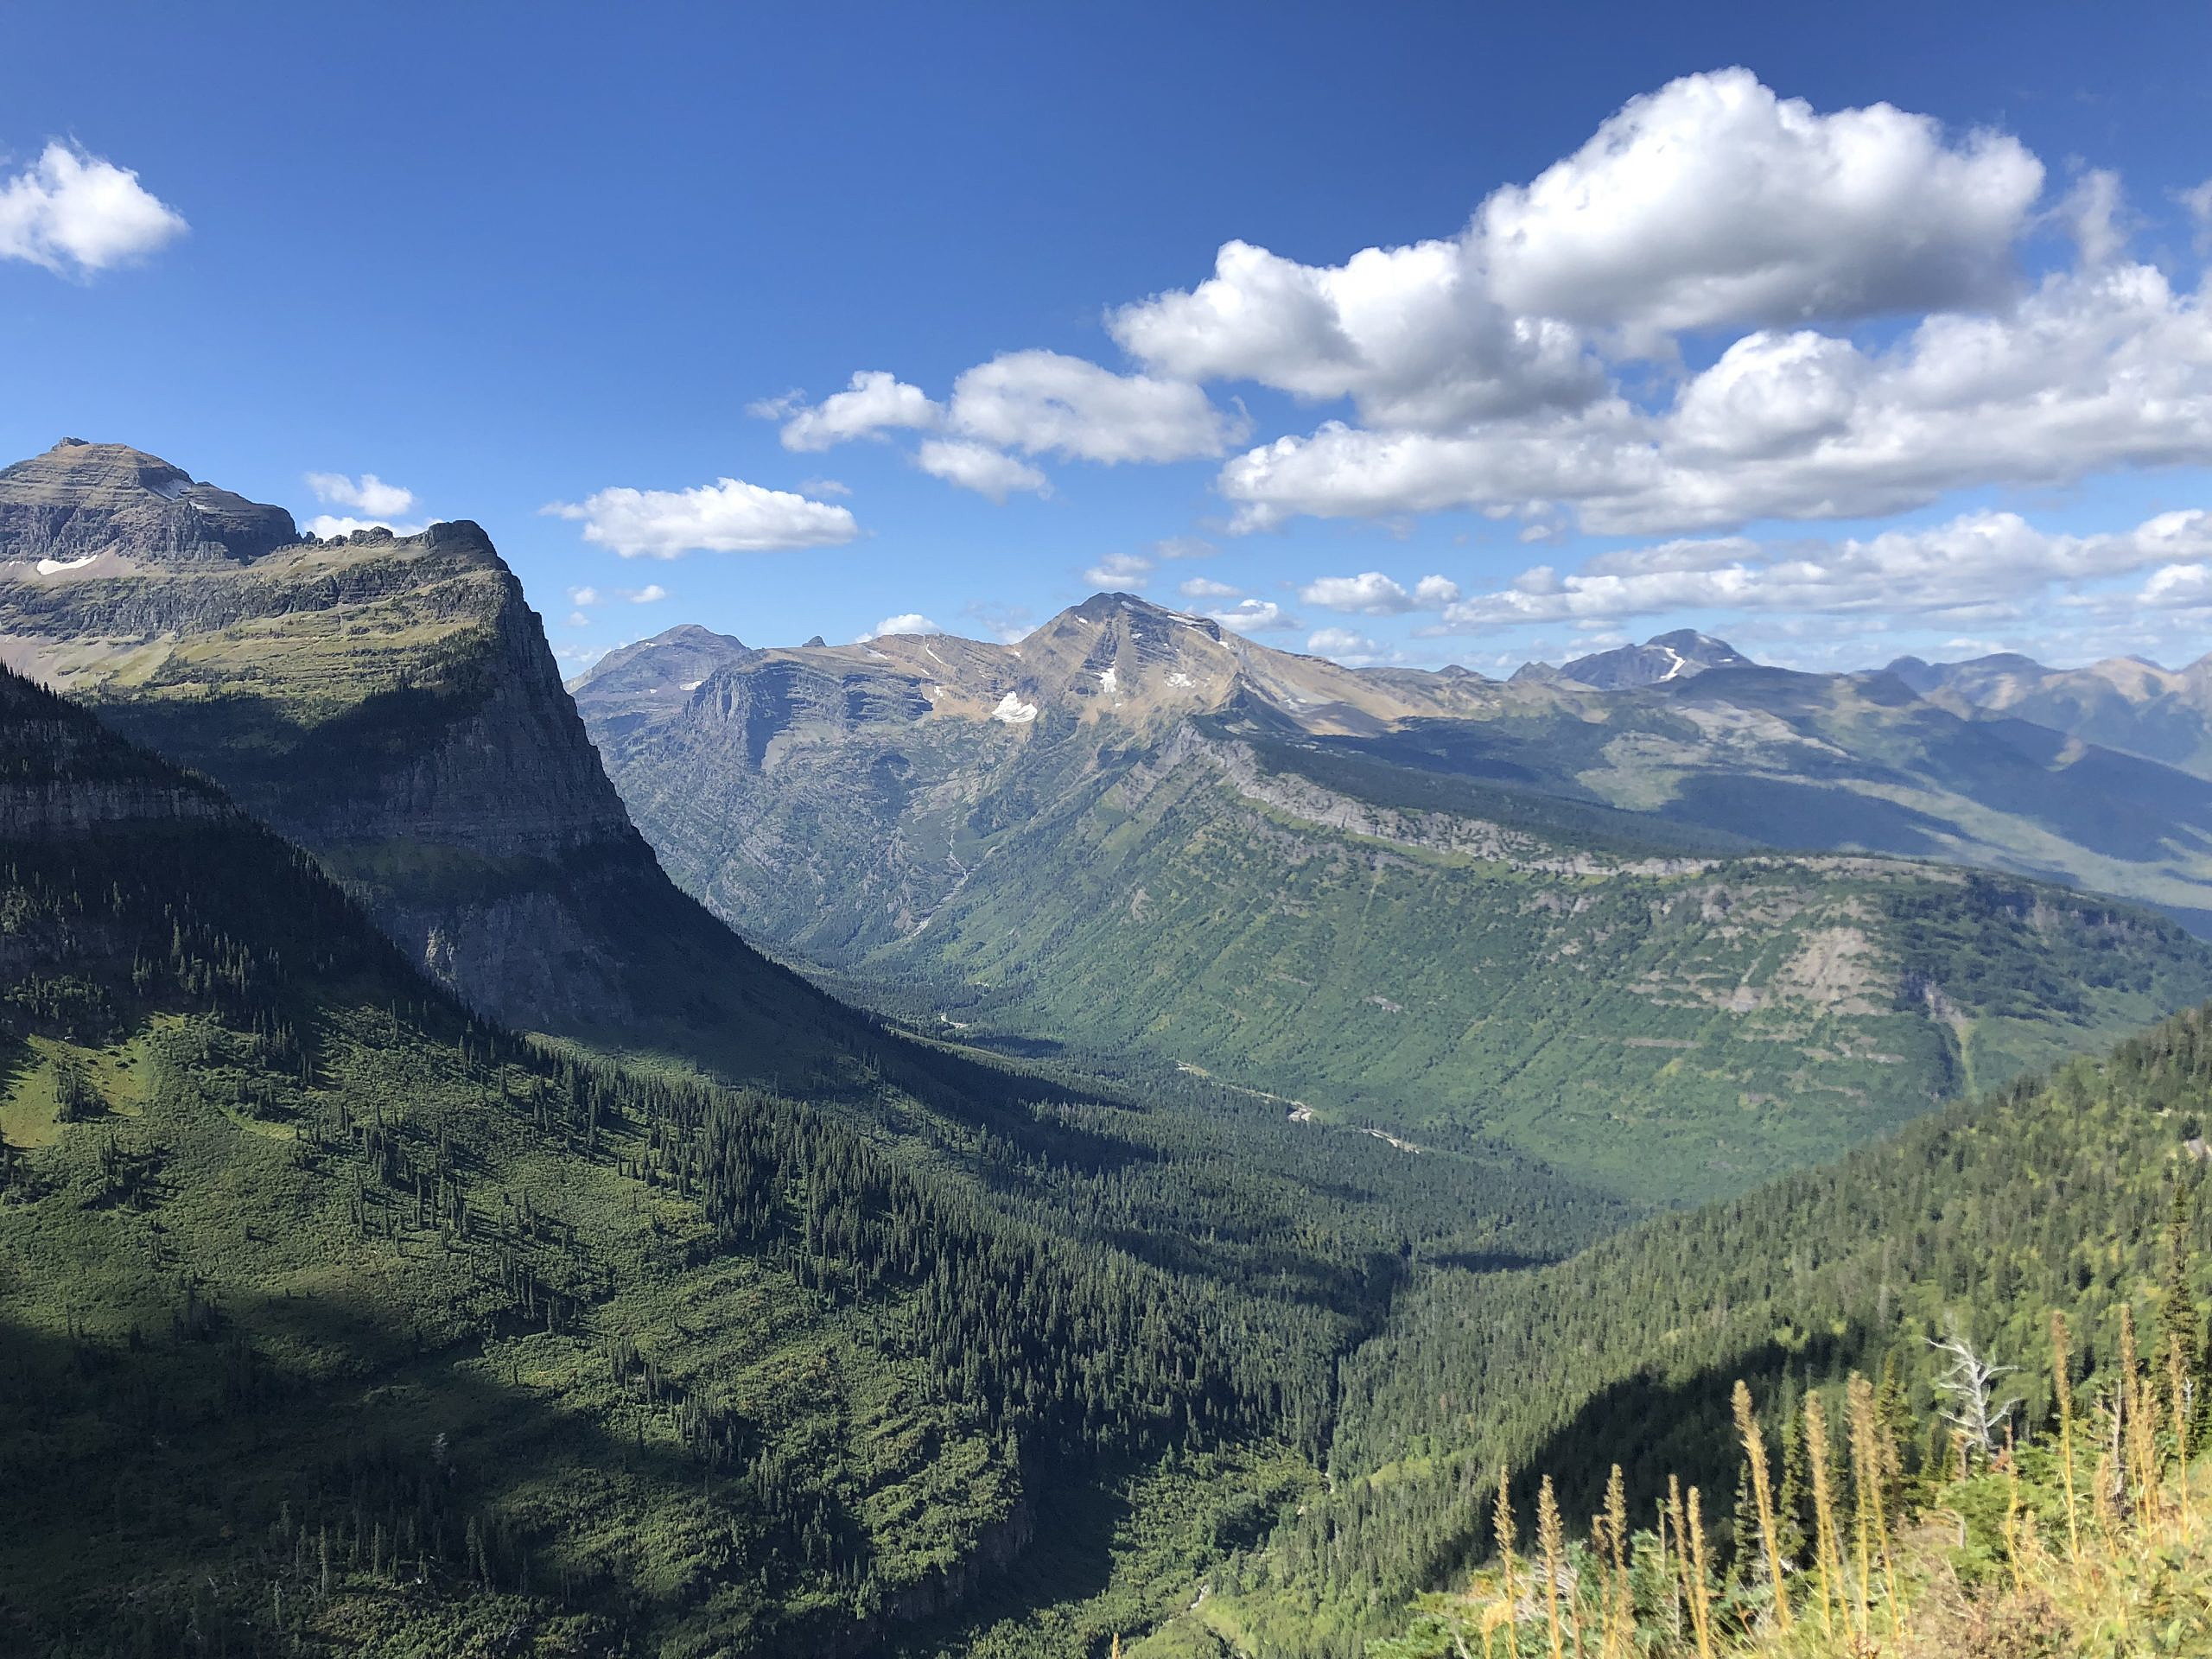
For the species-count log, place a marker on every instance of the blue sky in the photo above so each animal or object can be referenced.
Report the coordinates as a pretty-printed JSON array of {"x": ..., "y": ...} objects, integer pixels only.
[{"x": 504, "y": 257}]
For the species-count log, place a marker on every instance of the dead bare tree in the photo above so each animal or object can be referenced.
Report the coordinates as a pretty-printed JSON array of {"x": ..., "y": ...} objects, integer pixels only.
[{"x": 1970, "y": 1384}]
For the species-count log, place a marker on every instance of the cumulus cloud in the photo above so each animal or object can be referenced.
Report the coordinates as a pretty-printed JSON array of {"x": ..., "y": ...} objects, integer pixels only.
[
  {"x": 1670, "y": 331},
  {"x": 369, "y": 493},
  {"x": 979, "y": 468},
  {"x": 1344, "y": 644},
  {"x": 1713, "y": 201},
  {"x": 1047, "y": 403},
  {"x": 1408, "y": 333},
  {"x": 875, "y": 402},
  {"x": 2096, "y": 369},
  {"x": 1257, "y": 616},
  {"x": 1027, "y": 402},
  {"x": 1710, "y": 202},
  {"x": 2178, "y": 586},
  {"x": 728, "y": 516},
  {"x": 1373, "y": 594},
  {"x": 1120, "y": 570},
  {"x": 1990, "y": 563},
  {"x": 73, "y": 213},
  {"x": 905, "y": 622},
  {"x": 652, "y": 594},
  {"x": 584, "y": 596}
]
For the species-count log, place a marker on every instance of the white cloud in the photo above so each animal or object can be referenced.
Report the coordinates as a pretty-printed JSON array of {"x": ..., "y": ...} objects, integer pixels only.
[
  {"x": 578, "y": 620},
  {"x": 1627, "y": 343},
  {"x": 1207, "y": 588},
  {"x": 1373, "y": 594},
  {"x": 2178, "y": 586},
  {"x": 1408, "y": 334},
  {"x": 369, "y": 494},
  {"x": 1709, "y": 202},
  {"x": 73, "y": 213},
  {"x": 1045, "y": 402},
  {"x": 824, "y": 487},
  {"x": 728, "y": 516},
  {"x": 1981, "y": 563},
  {"x": 1120, "y": 570},
  {"x": 1713, "y": 201},
  {"x": 905, "y": 622},
  {"x": 1343, "y": 645},
  {"x": 652, "y": 594},
  {"x": 1257, "y": 616},
  {"x": 326, "y": 524},
  {"x": 979, "y": 468},
  {"x": 1185, "y": 547},
  {"x": 584, "y": 596},
  {"x": 2102, "y": 368},
  {"x": 873, "y": 403}
]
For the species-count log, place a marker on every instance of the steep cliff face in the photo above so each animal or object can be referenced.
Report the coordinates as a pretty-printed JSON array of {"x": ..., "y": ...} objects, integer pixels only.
[{"x": 390, "y": 703}]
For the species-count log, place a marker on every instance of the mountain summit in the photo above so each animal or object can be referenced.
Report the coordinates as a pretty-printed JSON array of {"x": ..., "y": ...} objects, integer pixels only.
[
  {"x": 1115, "y": 657},
  {"x": 79, "y": 502},
  {"x": 1674, "y": 656}
]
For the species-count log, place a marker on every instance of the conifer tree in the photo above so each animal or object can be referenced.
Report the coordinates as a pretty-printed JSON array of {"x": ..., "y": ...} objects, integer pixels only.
[
  {"x": 2181, "y": 1327},
  {"x": 1790, "y": 1501}
]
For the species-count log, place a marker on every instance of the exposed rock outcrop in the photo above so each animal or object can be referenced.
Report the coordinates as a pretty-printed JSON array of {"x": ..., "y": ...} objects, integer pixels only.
[
  {"x": 80, "y": 500},
  {"x": 390, "y": 703}
]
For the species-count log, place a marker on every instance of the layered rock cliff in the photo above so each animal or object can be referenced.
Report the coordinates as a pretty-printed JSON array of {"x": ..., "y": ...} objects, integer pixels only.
[{"x": 390, "y": 703}]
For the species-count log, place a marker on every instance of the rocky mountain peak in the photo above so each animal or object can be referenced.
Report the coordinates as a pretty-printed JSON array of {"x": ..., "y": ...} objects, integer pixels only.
[
  {"x": 81, "y": 502},
  {"x": 645, "y": 681},
  {"x": 1663, "y": 657}
]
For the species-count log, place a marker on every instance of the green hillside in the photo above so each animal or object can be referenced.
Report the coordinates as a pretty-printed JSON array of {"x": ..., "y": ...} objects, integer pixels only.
[
  {"x": 333, "y": 1319},
  {"x": 2056, "y": 1194},
  {"x": 1555, "y": 921},
  {"x": 1451, "y": 965}
]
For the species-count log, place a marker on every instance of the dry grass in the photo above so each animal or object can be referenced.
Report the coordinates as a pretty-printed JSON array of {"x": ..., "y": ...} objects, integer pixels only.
[{"x": 1967, "y": 1575}]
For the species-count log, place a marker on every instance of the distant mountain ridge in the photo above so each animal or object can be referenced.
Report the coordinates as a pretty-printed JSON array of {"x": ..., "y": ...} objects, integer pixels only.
[
  {"x": 1441, "y": 904},
  {"x": 641, "y": 683},
  {"x": 2122, "y": 702}
]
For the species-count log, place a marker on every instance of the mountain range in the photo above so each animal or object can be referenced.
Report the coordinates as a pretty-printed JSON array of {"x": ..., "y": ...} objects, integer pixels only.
[{"x": 1633, "y": 932}]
